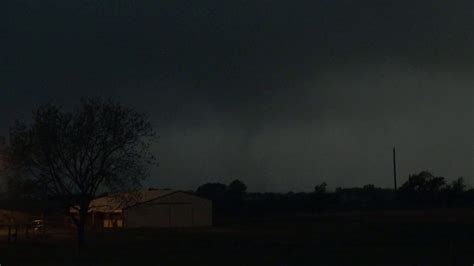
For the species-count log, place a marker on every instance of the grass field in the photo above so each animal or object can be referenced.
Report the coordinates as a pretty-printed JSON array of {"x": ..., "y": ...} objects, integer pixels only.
[{"x": 441, "y": 237}]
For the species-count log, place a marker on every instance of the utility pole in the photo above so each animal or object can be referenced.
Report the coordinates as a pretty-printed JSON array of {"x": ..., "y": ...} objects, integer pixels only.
[{"x": 394, "y": 170}]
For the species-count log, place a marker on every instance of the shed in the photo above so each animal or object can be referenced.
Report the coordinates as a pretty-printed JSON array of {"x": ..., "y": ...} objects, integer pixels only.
[
  {"x": 9, "y": 217},
  {"x": 151, "y": 208}
]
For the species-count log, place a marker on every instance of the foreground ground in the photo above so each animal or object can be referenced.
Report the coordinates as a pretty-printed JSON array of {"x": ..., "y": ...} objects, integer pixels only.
[{"x": 442, "y": 237}]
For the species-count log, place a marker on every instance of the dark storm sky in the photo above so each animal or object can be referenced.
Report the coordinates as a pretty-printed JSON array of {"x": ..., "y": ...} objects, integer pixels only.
[{"x": 280, "y": 94}]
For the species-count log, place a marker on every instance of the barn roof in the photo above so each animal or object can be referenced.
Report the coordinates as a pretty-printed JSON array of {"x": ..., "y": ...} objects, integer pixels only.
[{"x": 117, "y": 202}]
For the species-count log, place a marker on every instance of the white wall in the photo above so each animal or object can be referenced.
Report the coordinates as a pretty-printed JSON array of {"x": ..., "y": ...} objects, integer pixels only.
[{"x": 175, "y": 210}]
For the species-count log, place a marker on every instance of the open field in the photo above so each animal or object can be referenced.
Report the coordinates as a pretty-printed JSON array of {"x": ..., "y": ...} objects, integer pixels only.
[{"x": 442, "y": 237}]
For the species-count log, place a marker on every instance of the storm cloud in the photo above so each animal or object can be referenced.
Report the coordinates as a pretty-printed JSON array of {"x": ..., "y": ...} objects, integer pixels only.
[{"x": 280, "y": 95}]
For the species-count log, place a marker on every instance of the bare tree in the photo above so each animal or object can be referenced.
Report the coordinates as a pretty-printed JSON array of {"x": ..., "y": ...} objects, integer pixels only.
[{"x": 101, "y": 146}]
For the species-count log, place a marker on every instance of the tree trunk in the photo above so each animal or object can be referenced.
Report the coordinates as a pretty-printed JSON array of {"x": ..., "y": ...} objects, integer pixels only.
[
  {"x": 81, "y": 237},
  {"x": 81, "y": 231}
]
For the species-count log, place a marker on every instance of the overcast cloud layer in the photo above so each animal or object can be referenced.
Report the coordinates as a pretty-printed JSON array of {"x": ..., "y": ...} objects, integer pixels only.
[{"x": 281, "y": 95}]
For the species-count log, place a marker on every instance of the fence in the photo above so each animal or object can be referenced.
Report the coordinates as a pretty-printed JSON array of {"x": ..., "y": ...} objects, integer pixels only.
[{"x": 12, "y": 233}]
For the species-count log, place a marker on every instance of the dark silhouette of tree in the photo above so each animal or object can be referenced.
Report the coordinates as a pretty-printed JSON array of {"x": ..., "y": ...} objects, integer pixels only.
[
  {"x": 237, "y": 189},
  {"x": 320, "y": 189},
  {"x": 423, "y": 182},
  {"x": 236, "y": 192},
  {"x": 226, "y": 199},
  {"x": 216, "y": 192},
  {"x": 72, "y": 156},
  {"x": 319, "y": 197},
  {"x": 423, "y": 188},
  {"x": 420, "y": 190},
  {"x": 212, "y": 191},
  {"x": 458, "y": 185},
  {"x": 456, "y": 192}
]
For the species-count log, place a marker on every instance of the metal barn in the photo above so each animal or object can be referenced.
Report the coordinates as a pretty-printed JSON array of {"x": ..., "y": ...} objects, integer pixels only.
[{"x": 151, "y": 208}]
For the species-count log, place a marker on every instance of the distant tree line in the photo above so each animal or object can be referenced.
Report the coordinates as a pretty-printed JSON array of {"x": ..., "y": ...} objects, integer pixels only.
[
  {"x": 421, "y": 190},
  {"x": 226, "y": 198}
]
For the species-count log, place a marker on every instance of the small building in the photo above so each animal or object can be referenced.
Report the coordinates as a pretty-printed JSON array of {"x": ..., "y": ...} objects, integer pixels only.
[
  {"x": 9, "y": 217},
  {"x": 150, "y": 208}
]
